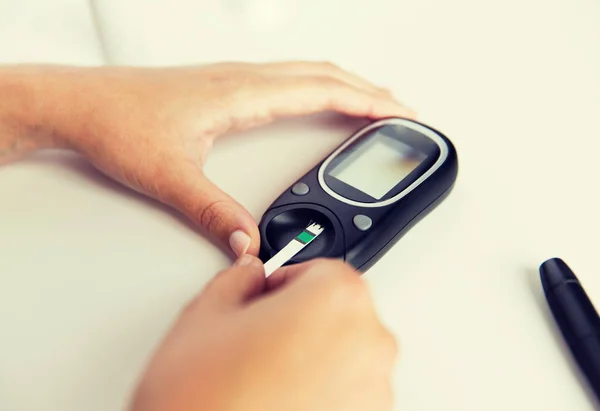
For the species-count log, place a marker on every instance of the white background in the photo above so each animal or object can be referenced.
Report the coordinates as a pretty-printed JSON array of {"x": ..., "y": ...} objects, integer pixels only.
[{"x": 91, "y": 275}]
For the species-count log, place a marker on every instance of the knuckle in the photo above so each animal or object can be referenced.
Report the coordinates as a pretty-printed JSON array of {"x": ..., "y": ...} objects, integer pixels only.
[{"x": 210, "y": 216}]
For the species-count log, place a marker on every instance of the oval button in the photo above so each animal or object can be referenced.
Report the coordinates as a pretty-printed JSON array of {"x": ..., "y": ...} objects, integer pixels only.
[
  {"x": 300, "y": 189},
  {"x": 362, "y": 222}
]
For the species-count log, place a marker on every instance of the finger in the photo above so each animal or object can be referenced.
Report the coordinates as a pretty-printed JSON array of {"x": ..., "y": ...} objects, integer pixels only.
[
  {"x": 287, "y": 274},
  {"x": 295, "y": 96},
  {"x": 236, "y": 285},
  {"x": 306, "y": 68},
  {"x": 223, "y": 218},
  {"x": 290, "y": 273}
]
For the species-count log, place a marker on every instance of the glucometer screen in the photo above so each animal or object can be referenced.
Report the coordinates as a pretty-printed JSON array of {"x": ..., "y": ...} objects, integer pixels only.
[{"x": 378, "y": 165}]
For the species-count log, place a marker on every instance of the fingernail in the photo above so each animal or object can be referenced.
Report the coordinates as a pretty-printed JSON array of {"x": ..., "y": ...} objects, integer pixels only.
[
  {"x": 239, "y": 242},
  {"x": 246, "y": 259}
]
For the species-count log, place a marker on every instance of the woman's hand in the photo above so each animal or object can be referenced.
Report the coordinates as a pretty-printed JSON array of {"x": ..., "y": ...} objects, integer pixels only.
[
  {"x": 308, "y": 338},
  {"x": 152, "y": 129}
]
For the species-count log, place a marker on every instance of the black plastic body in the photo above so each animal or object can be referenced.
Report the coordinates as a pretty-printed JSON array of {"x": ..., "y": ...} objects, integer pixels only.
[
  {"x": 575, "y": 316},
  {"x": 290, "y": 213}
]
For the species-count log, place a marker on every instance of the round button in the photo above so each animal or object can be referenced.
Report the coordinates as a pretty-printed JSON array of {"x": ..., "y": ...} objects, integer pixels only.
[
  {"x": 300, "y": 189},
  {"x": 362, "y": 222}
]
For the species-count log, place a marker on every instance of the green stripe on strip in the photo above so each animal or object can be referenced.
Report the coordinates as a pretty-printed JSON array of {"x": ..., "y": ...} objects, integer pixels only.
[{"x": 305, "y": 237}]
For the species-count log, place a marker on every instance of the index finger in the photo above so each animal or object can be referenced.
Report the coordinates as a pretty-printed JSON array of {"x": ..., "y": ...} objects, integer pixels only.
[
  {"x": 310, "y": 68},
  {"x": 286, "y": 273},
  {"x": 303, "y": 95},
  {"x": 290, "y": 273}
]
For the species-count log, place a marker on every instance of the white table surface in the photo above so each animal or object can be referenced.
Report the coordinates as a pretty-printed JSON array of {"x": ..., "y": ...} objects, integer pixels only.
[{"x": 92, "y": 275}]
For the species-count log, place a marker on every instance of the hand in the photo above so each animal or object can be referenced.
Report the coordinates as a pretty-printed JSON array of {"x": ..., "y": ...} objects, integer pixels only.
[
  {"x": 307, "y": 338},
  {"x": 151, "y": 129}
]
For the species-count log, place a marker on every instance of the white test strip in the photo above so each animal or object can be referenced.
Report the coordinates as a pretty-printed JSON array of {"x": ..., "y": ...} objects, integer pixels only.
[{"x": 293, "y": 247}]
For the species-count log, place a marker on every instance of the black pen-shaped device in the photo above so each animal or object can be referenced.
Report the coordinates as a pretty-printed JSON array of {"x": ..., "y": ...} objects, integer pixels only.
[{"x": 576, "y": 317}]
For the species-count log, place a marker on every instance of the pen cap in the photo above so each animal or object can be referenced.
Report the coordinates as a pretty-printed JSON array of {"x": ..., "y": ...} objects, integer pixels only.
[
  {"x": 575, "y": 315},
  {"x": 574, "y": 312},
  {"x": 554, "y": 272},
  {"x": 587, "y": 353}
]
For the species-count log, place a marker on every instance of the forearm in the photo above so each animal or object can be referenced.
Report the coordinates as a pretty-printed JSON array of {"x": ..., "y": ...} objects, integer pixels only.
[{"x": 32, "y": 108}]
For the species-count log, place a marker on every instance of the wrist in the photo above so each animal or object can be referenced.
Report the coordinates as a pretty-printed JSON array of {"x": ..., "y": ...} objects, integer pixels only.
[{"x": 32, "y": 110}]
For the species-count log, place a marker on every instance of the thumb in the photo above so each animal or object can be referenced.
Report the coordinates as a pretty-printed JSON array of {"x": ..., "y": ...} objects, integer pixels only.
[
  {"x": 223, "y": 218},
  {"x": 236, "y": 285}
]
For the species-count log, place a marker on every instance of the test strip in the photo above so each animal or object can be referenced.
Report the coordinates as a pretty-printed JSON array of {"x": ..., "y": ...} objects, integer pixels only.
[{"x": 293, "y": 247}]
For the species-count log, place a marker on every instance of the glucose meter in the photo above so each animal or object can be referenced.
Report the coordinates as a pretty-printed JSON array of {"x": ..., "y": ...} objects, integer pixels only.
[{"x": 358, "y": 201}]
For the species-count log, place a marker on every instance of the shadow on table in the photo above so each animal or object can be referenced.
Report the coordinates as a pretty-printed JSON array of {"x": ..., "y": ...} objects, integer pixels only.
[
  {"x": 81, "y": 167},
  {"x": 77, "y": 164}
]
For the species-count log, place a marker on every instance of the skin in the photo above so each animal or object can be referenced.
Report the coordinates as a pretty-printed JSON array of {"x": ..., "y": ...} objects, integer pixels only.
[
  {"x": 152, "y": 129},
  {"x": 306, "y": 339}
]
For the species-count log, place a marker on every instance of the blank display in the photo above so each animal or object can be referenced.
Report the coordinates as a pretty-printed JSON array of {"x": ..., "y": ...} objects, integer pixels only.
[{"x": 378, "y": 165}]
